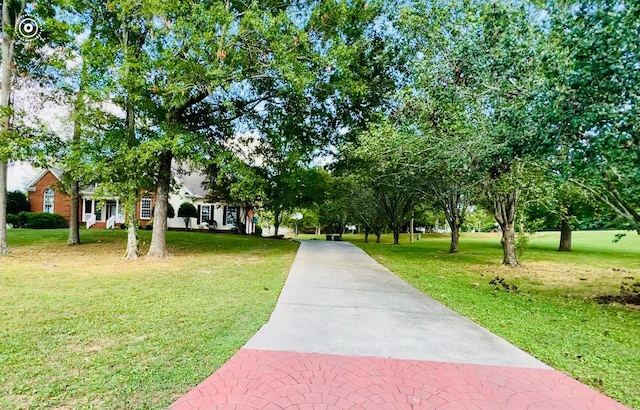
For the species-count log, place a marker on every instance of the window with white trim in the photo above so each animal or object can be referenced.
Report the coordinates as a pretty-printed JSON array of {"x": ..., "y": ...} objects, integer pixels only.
[
  {"x": 205, "y": 213},
  {"x": 232, "y": 215},
  {"x": 145, "y": 207},
  {"x": 48, "y": 201}
]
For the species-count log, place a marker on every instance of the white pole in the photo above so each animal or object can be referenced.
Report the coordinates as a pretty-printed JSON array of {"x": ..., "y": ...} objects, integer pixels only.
[{"x": 411, "y": 227}]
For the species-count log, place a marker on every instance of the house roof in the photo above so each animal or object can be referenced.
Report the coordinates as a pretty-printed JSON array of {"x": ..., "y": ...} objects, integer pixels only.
[
  {"x": 193, "y": 183},
  {"x": 191, "y": 180},
  {"x": 55, "y": 171}
]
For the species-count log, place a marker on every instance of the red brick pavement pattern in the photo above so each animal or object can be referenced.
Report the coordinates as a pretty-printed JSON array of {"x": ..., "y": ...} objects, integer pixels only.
[{"x": 270, "y": 380}]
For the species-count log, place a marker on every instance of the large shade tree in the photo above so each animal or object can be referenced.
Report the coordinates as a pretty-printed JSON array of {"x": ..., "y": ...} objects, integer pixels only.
[
  {"x": 117, "y": 144},
  {"x": 507, "y": 63},
  {"x": 220, "y": 61},
  {"x": 33, "y": 43},
  {"x": 441, "y": 105},
  {"x": 591, "y": 99}
]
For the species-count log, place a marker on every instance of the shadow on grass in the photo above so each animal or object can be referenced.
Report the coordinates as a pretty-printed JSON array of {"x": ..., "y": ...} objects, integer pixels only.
[
  {"x": 485, "y": 248},
  {"x": 178, "y": 242}
]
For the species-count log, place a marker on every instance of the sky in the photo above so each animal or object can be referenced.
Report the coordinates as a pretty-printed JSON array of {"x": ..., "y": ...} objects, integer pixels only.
[
  {"x": 19, "y": 175},
  {"x": 28, "y": 98}
]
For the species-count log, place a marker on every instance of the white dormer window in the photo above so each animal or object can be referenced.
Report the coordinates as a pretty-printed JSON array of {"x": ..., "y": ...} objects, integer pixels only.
[{"x": 48, "y": 201}]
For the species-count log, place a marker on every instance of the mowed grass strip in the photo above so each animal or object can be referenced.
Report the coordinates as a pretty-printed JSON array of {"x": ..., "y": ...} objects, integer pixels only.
[
  {"x": 81, "y": 328},
  {"x": 554, "y": 315}
]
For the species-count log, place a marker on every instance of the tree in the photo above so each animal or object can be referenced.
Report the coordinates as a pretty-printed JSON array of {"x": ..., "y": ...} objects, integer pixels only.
[
  {"x": 507, "y": 64},
  {"x": 71, "y": 88},
  {"x": 366, "y": 210},
  {"x": 318, "y": 57},
  {"x": 216, "y": 78},
  {"x": 289, "y": 186},
  {"x": 336, "y": 209},
  {"x": 442, "y": 107},
  {"x": 11, "y": 14},
  {"x": 562, "y": 205},
  {"x": 384, "y": 160},
  {"x": 17, "y": 202},
  {"x": 24, "y": 42},
  {"x": 186, "y": 212},
  {"x": 591, "y": 94},
  {"x": 117, "y": 148}
]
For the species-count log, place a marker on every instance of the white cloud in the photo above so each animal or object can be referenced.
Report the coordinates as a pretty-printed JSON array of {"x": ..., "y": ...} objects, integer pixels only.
[{"x": 19, "y": 175}]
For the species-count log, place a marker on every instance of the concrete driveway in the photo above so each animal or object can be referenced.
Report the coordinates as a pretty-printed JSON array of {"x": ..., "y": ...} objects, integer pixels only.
[{"x": 347, "y": 333}]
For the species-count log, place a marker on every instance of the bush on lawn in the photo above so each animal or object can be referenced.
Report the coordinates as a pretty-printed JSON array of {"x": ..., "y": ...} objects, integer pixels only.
[
  {"x": 186, "y": 212},
  {"x": 13, "y": 220},
  {"x": 18, "y": 220},
  {"x": 41, "y": 220}
]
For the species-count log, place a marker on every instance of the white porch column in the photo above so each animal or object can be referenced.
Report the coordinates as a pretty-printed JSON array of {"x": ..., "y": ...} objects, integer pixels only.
[{"x": 117, "y": 211}]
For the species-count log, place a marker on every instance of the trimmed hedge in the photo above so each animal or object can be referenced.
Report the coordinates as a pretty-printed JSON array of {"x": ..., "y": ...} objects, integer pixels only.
[
  {"x": 13, "y": 220},
  {"x": 41, "y": 220},
  {"x": 18, "y": 220}
]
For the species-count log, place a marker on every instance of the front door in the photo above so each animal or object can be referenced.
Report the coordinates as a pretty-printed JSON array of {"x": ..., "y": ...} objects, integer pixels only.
[{"x": 111, "y": 209}]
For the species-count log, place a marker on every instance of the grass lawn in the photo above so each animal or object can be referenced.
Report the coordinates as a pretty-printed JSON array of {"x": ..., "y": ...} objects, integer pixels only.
[
  {"x": 554, "y": 314},
  {"x": 81, "y": 328}
]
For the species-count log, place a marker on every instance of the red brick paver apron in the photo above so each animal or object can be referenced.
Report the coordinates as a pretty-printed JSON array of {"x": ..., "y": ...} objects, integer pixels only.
[{"x": 263, "y": 379}]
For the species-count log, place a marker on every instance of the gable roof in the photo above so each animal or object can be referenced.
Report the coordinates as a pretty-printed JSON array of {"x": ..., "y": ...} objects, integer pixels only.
[
  {"x": 193, "y": 183},
  {"x": 191, "y": 180},
  {"x": 55, "y": 171}
]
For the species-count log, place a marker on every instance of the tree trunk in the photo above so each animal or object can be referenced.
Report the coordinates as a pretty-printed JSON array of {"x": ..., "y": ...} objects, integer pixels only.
[
  {"x": 276, "y": 222},
  {"x": 132, "y": 251},
  {"x": 509, "y": 245},
  {"x": 455, "y": 211},
  {"x": 455, "y": 237},
  {"x": 366, "y": 235},
  {"x": 505, "y": 206},
  {"x": 4, "y": 247},
  {"x": 158, "y": 245},
  {"x": 5, "y": 122},
  {"x": 565, "y": 236},
  {"x": 396, "y": 234},
  {"x": 74, "y": 222},
  {"x": 378, "y": 237}
]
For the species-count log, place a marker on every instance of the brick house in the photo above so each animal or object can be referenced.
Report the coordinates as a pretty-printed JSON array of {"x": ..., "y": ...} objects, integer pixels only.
[{"x": 45, "y": 195}]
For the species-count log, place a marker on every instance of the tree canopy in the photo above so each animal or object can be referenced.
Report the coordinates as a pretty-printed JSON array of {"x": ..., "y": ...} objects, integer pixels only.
[{"x": 366, "y": 112}]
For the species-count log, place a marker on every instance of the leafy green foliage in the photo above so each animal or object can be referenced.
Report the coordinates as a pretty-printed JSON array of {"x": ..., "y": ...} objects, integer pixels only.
[
  {"x": 40, "y": 220},
  {"x": 187, "y": 211},
  {"x": 383, "y": 162},
  {"x": 591, "y": 96},
  {"x": 14, "y": 220},
  {"x": 17, "y": 202}
]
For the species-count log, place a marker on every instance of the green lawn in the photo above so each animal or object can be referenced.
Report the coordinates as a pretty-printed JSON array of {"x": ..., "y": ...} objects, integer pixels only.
[
  {"x": 554, "y": 315},
  {"x": 81, "y": 328}
]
